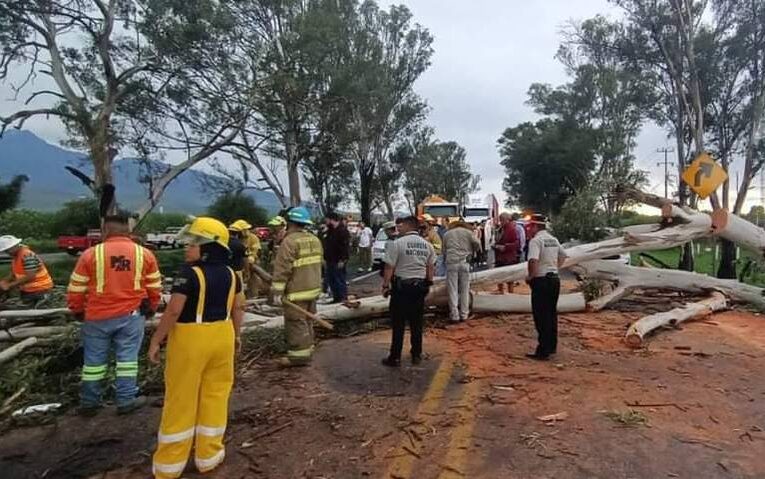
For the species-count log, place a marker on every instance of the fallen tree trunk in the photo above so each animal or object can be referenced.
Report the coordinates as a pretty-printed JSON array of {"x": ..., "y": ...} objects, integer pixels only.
[
  {"x": 520, "y": 303},
  {"x": 38, "y": 331},
  {"x": 33, "y": 313},
  {"x": 13, "y": 351},
  {"x": 630, "y": 278},
  {"x": 640, "y": 329}
]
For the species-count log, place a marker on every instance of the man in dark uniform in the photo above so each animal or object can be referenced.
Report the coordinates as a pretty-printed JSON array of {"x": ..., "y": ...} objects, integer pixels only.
[
  {"x": 409, "y": 267},
  {"x": 546, "y": 256}
]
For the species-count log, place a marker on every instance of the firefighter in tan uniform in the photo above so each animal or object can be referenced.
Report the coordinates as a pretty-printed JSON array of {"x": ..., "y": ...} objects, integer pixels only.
[
  {"x": 297, "y": 279},
  {"x": 252, "y": 246}
]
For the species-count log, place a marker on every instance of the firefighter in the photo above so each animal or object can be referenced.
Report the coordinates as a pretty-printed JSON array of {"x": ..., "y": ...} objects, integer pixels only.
[
  {"x": 429, "y": 231},
  {"x": 278, "y": 226},
  {"x": 114, "y": 286},
  {"x": 297, "y": 278},
  {"x": 28, "y": 273},
  {"x": 202, "y": 324}
]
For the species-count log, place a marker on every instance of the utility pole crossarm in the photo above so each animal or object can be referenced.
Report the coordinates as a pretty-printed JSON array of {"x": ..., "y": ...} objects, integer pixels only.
[{"x": 666, "y": 163}]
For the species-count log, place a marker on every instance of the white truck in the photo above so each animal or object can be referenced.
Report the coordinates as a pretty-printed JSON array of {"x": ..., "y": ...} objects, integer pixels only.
[{"x": 168, "y": 238}]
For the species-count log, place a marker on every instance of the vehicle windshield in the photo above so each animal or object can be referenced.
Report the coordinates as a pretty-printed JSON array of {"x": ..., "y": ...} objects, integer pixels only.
[
  {"x": 381, "y": 236},
  {"x": 441, "y": 210},
  {"x": 476, "y": 212}
]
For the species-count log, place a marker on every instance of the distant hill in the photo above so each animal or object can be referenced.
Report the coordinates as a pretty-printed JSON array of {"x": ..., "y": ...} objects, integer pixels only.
[{"x": 50, "y": 185}]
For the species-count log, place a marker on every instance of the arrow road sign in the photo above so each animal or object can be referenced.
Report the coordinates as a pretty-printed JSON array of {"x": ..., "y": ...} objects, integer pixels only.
[{"x": 704, "y": 175}]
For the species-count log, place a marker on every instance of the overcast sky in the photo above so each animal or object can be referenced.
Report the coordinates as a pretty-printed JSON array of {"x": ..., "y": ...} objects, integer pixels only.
[{"x": 487, "y": 53}]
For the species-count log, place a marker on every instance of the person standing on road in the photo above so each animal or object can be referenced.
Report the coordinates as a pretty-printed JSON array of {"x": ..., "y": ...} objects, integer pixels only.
[
  {"x": 297, "y": 279},
  {"x": 430, "y": 233},
  {"x": 202, "y": 324},
  {"x": 546, "y": 256},
  {"x": 521, "y": 231},
  {"x": 391, "y": 234},
  {"x": 336, "y": 253},
  {"x": 460, "y": 244},
  {"x": 409, "y": 267},
  {"x": 28, "y": 273},
  {"x": 238, "y": 255},
  {"x": 507, "y": 246},
  {"x": 366, "y": 239},
  {"x": 114, "y": 286}
]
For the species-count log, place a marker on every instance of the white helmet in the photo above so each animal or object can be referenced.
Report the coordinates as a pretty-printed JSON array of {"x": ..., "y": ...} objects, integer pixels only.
[{"x": 8, "y": 241}]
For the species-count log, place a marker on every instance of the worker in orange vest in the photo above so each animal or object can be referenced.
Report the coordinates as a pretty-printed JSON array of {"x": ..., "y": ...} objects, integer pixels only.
[
  {"x": 114, "y": 286},
  {"x": 28, "y": 272}
]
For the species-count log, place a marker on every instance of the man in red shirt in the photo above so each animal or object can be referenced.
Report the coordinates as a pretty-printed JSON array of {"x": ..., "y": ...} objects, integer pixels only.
[
  {"x": 507, "y": 246},
  {"x": 114, "y": 285}
]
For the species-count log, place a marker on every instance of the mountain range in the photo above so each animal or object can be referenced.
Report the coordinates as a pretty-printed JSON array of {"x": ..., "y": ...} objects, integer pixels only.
[{"x": 50, "y": 185}]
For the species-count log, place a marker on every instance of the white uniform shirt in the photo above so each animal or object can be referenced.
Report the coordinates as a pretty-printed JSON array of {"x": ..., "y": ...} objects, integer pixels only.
[
  {"x": 545, "y": 248},
  {"x": 409, "y": 256},
  {"x": 365, "y": 238}
]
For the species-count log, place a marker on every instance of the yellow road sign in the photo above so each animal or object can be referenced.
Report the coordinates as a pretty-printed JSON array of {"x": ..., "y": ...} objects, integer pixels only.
[{"x": 704, "y": 175}]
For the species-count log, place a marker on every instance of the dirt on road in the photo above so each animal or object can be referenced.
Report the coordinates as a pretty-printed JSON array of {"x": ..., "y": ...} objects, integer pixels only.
[{"x": 689, "y": 405}]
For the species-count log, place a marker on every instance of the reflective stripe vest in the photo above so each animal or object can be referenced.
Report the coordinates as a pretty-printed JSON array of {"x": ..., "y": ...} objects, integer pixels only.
[
  {"x": 42, "y": 280},
  {"x": 203, "y": 294},
  {"x": 297, "y": 267},
  {"x": 112, "y": 278}
]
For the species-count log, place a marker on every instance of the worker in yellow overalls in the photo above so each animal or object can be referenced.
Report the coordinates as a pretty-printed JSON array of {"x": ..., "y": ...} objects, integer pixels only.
[{"x": 202, "y": 323}]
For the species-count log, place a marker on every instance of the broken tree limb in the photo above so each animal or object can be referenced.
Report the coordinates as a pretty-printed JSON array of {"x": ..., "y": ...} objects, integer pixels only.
[
  {"x": 644, "y": 326},
  {"x": 308, "y": 315},
  {"x": 631, "y": 278},
  {"x": 520, "y": 303},
  {"x": 39, "y": 331},
  {"x": 738, "y": 230},
  {"x": 9, "y": 353},
  {"x": 31, "y": 314}
]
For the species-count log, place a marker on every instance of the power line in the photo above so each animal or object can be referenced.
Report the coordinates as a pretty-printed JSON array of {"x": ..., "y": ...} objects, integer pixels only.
[{"x": 666, "y": 163}]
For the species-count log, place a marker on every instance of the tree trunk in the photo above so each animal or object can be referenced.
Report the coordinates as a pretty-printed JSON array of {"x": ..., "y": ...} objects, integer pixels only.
[
  {"x": 638, "y": 331},
  {"x": 632, "y": 278},
  {"x": 365, "y": 196},
  {"x": 687, "y": 262},
  {"x": 521, "y": 303},
  {"x": 727, "y": 268},
  {"x": 294, "y": 182}
]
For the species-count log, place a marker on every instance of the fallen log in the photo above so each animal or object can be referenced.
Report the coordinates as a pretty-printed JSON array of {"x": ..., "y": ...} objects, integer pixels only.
[
  {"x": 9, "y": 353},
  {"x": 520, "y": 303},
  {"x": 38, "y": 331},
  {"x": 641, "y": 328},
  {"x": 630, "y": 278},
  {"x": 30, "y": 314}
]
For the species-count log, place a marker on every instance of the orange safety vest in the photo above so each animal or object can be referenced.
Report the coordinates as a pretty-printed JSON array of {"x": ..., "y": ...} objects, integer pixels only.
[{"x": 42, "y": 280}]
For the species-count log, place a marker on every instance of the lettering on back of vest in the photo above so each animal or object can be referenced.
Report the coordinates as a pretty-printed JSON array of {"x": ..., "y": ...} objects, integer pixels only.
[{"x": 120, "y": 263}]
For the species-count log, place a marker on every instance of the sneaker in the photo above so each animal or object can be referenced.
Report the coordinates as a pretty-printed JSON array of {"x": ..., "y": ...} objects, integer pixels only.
[
  {"x": 538, "y": 357},
  {"x": 137, "y": 404},
  {"x": 391, "y": 363}
]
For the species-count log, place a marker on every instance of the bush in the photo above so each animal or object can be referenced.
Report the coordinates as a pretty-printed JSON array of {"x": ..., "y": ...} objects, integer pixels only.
[
  {"x": 581, "y": 218},
  {"x": 158, "y": 222},
  {"x": 76, "y": 218},
  {"x": 27, "y": 223},
  {"x": 230, "y": 207}
]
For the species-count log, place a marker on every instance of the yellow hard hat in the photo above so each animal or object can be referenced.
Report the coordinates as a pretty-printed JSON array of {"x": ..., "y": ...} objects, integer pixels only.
[
  {"x": 277, "y": 221},
  {"x": 204, "y": 230},
  {"x": 240, "y": 225},
  {"x": 428, "y": 218}
]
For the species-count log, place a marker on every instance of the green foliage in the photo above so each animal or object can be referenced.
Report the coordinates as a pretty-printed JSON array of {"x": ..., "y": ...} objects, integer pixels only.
[
  {"x": 10, "y": 193},
  {"x": 582, "y": 218},
  {"x": 630, "y": 218},
  {"x": 546, "y": 163},
  {"x": 76, "y": 218},
  {"x": 41, "y": 246},
  {"x": 158, "y": 222},
  {"x": 27, "y": 223},
  {"x": 230, "y": 207}
]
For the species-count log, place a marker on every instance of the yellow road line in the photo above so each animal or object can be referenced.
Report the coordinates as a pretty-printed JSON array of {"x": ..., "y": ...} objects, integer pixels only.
[
  {"x": 402, "y": 466},
  {"x": 462, "y": 436}
]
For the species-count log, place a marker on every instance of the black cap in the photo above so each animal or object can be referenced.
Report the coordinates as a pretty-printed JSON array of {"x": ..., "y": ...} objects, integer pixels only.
[{"x": 121, "y": 217}]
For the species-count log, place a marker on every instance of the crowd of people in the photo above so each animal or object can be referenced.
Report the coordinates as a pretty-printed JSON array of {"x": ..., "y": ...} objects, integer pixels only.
[{"x": 116, "y": 286}]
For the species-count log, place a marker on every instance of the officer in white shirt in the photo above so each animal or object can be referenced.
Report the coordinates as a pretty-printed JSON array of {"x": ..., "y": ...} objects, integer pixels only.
[
  {"x": 545, "y": 257},
  {"x": 409, "y": 268}
]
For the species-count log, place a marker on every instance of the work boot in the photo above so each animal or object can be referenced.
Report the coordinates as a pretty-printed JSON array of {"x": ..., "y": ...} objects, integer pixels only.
[
  {"x": 88, "y": 410},
  {"x": 286, "y": 363},
  {"x": 538, "y": 357},
  {"x": 391, "y": 363},
  {"x": 416, "y": 360},
  {"x": 130, "y": 408}
]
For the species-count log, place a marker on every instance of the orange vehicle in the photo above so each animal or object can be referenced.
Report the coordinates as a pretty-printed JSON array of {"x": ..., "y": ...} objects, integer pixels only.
[{"x": 440, "y": 209}]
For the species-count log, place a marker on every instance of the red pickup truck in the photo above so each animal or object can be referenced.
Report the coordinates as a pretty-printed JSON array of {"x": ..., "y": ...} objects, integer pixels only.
[{"x": 75, "y": 245}]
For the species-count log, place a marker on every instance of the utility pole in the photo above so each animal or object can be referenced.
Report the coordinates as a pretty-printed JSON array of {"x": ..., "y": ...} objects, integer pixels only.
[{"x": 666, "y": 163}]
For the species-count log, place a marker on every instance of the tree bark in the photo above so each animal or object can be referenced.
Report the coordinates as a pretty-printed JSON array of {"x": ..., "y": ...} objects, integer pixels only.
[
  {"x": 640, "y": 329},
  {"x": 727, "y": 266},
  {"x": 13, "y": 351}
]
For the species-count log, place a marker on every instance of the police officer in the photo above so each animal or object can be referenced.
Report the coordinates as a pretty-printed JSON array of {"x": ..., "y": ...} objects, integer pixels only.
[
  {"x": 546, "y": 256},
  {"x": 409, "y": 267}
]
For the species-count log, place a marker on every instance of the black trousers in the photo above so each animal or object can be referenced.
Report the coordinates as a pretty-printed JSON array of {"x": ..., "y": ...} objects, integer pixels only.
[
  {"x": 544, "y": 305},
  {"x": 407, "y": 304}
]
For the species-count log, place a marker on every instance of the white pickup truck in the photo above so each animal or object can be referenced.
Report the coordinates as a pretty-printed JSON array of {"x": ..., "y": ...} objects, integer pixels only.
[{"x": 168, "y": 238}]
